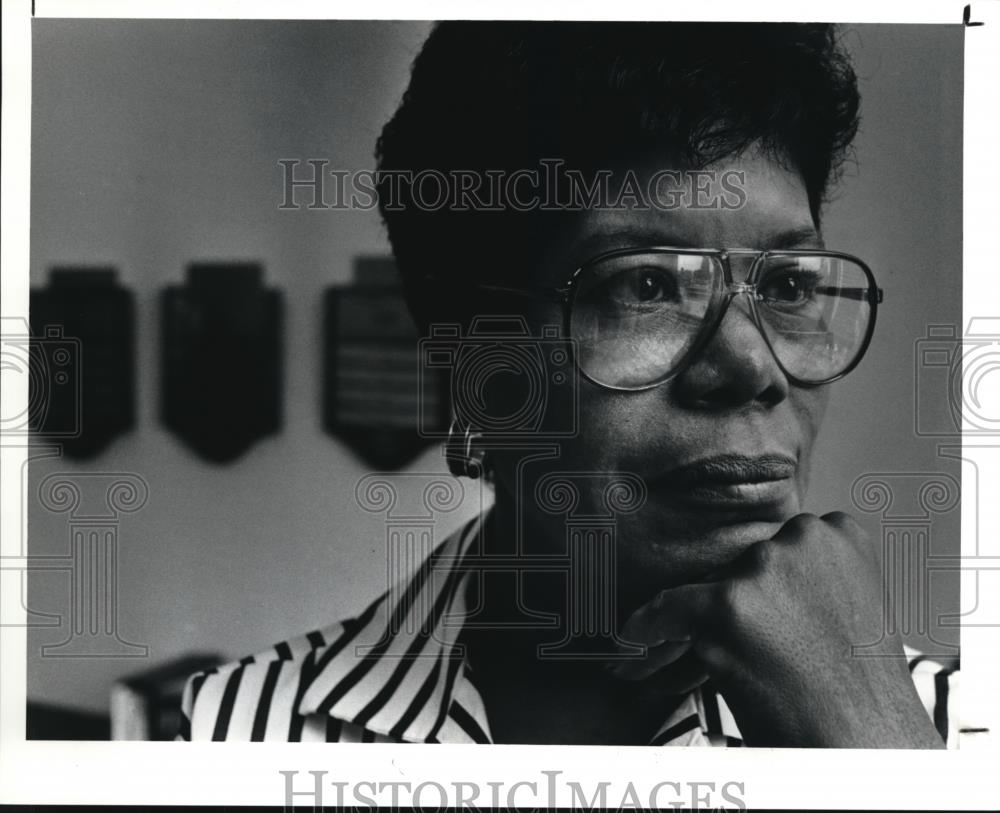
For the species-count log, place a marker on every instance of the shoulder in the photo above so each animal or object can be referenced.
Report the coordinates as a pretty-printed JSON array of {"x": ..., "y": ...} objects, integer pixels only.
[
  {"x": 318, "y": 687},
  {"x": 252, "y": 698}
]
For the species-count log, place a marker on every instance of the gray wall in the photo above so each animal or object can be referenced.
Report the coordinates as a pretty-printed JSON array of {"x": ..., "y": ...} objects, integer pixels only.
[{"x": 156, "y": 142}]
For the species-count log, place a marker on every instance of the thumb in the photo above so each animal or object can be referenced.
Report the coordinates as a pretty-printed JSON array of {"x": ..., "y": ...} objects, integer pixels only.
[
  {"x": 666, "y": 626},
  {"x": 674, "y": 615}
]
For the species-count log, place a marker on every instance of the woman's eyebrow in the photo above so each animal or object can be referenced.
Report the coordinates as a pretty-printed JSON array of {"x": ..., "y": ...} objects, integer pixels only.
[
  {"x": 801, "y": 237},
  {"x": 614, "y": 238},
  {"x": 805, "y": 237}
]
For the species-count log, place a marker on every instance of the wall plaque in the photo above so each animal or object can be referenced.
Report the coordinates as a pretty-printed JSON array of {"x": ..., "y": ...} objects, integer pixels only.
[
  {"x": 372, "y": 389},
  {"x": 82, "y": 384},
  {"x": 222, "y": 371}
]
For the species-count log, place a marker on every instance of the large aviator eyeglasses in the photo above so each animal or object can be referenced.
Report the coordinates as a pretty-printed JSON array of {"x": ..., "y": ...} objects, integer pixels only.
[{"x": 638, "y": 316}]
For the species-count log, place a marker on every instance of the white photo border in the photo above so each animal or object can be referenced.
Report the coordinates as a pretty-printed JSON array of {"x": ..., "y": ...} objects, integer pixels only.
[{"x": 234, "y": 774}]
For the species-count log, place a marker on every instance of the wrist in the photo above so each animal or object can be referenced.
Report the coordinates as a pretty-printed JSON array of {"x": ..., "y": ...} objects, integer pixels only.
[{"x": 883, "y": 710}]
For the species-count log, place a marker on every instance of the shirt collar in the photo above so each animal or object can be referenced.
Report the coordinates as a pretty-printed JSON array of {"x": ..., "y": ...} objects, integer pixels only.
[{"x": 399, "y": 670}]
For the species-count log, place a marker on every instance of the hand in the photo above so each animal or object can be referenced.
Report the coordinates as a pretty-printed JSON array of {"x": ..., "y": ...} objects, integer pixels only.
[{"x": 775, "y": 634}]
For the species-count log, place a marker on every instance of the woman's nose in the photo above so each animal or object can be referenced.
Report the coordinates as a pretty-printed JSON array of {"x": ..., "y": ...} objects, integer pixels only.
[{"x": 735, "y": 368}]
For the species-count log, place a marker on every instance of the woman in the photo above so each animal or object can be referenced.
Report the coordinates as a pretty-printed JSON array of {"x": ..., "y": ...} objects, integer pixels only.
[{"x": 641, "y": 202}]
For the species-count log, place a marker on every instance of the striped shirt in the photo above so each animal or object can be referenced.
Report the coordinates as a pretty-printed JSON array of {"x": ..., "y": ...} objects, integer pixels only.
[{"x": 396, "y": 673}]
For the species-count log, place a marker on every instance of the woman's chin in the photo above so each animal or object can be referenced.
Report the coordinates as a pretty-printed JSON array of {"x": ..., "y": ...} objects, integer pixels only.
[
  {"x": 723, "y": 545},
  {"x": 695, "y": 554}
]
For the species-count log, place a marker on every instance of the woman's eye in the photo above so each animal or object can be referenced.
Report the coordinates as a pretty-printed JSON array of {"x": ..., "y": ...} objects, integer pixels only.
[
  {"x": 788, "y": 287},
  {"x": 650, "y": 287},
  {"x": 643, "y": 286}
]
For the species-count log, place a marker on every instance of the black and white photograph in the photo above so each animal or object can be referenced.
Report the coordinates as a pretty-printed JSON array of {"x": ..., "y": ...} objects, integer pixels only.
[{"x": 502, "y": 382}]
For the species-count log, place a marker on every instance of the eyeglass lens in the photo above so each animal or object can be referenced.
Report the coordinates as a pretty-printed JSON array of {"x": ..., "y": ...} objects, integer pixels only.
[{"x": 634, "y": 317}]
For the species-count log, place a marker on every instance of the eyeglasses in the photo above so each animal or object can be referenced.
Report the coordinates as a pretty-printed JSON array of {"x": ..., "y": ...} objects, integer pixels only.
[{"x": 637, "y": 317}]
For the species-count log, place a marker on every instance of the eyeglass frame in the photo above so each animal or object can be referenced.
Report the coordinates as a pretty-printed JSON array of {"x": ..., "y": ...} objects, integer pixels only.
[{"x": 718, "y": 306}]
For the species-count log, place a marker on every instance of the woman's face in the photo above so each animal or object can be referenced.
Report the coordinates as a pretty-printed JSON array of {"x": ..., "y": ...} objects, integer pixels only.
[{"x": 731, "y": 409}]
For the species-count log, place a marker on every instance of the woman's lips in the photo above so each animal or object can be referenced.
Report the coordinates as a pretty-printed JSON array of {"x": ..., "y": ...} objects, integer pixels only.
[{"x": 733, "y": 481}]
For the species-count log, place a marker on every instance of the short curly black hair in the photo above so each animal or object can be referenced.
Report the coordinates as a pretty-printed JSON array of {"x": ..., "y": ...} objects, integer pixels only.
[{"x": 505, "y": 95}]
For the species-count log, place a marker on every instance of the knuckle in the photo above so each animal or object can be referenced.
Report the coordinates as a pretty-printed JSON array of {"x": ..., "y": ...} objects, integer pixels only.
[
  {"x": 801, "y": 525},
  {"x": 761, "y": 555},
  {"x": 849, "y": 531},
  {"x": 800, "y": 529},
  {"x": 842, "y": 521}
]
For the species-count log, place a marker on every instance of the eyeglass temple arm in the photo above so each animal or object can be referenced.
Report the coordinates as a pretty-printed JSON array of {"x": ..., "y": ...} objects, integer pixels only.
[{"x": 860, "y": 294}]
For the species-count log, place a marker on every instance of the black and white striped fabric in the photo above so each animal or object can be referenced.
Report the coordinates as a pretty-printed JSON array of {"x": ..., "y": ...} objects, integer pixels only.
[{"x": 396, "y": 673}]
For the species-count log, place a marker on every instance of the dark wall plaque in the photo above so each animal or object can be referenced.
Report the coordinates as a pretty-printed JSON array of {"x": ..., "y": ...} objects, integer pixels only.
[
  {"x": 222, "y": 359},
  {"x": 82, "y": 357},
  {"x": 373, "y": 391}
]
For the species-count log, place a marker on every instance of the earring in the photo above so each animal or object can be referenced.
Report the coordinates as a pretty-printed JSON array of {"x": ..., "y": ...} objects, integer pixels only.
[{"x": 463, "y": 461}]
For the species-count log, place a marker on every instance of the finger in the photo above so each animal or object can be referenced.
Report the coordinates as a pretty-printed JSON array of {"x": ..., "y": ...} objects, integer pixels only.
[
  {"x": 841, "y": 520},
  {"x": 851, "y": 530},
  {"x": 797, "y": 528},
  {"x": 679, "y": 677},
  {"x": 802, "y": 525},
  {"x": 674, "y": 616},
  {"x": 656, "y": 658},
  {"x": 809, "y": 526}
]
